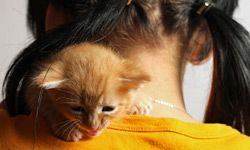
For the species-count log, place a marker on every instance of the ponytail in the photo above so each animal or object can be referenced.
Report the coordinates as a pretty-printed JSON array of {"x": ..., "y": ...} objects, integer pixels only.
[{"x": 229, "y": 101}]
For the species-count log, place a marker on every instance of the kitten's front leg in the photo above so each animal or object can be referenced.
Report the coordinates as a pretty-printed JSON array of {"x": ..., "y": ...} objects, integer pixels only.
[
  {"x": 141, "y": 106},
  {"x": 67, "y": 130},
  {"x": 75, "y": 135},
  {"x": 61, "y": 126}
]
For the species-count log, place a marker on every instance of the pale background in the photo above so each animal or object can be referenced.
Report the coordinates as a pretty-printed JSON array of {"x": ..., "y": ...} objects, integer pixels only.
[{"x": 14, "y": 36}]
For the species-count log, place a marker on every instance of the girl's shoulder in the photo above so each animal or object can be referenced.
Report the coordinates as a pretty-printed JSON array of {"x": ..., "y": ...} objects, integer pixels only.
[{"x": 132, "y": 132}]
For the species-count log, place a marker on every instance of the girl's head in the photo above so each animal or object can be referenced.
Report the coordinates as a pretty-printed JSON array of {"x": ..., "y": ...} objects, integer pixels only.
[{"x": 150, "y": 23}]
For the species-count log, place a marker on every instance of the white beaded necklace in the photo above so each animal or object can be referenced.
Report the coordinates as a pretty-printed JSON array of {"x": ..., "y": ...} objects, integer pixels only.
[
  {"x": 170, "y": 105},
  {"x": 163, "y": 102}
]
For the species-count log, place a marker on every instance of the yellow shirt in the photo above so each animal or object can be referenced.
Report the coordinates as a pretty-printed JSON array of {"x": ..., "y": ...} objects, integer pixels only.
[{"x": 131, "y": 133}]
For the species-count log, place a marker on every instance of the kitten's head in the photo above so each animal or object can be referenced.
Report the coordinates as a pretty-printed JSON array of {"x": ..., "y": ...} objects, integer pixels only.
[{"x": 92, "y": 85}]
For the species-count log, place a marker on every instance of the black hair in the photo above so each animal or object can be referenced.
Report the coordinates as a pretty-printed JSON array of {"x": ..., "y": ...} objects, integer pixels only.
[
  {"x": 229, "y": 101},
  {"x": 94, "y": 20},
  {"x": 230, "y": 96},
  {"x": 37, "y": 10}
]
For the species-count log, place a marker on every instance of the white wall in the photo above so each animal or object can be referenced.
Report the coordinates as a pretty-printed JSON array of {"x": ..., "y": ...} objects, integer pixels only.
[
  {"x": 13, "y": 32},
  {"x": 14, "y": 36}
]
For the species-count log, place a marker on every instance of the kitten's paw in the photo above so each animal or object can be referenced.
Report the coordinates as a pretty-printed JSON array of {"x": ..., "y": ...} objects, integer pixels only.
[
  {"x": 141, "y": 108},
  {"x": 70, "y": 135},
  {"x": 75, "y": 135}
]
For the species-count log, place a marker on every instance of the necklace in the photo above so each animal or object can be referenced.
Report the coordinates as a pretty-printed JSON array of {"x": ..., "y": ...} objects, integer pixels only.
[
  {"x": 170, "y": 105},
  {"x": 165, "y": 103}
]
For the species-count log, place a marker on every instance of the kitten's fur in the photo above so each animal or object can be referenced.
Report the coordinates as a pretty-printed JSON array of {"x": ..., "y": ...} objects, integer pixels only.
[{"x": 84, "y": 87}]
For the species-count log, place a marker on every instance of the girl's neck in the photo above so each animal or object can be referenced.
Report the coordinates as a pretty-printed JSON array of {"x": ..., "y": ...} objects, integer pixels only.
[{"x": 165, "y": 68}]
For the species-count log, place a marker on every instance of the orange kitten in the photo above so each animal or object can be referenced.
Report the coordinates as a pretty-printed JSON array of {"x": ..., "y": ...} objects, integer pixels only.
[{"x": 84, "y": 88}]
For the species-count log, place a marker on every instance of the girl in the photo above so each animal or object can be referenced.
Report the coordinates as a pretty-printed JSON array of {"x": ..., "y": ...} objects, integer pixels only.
[{"x": 158, "y": 35}]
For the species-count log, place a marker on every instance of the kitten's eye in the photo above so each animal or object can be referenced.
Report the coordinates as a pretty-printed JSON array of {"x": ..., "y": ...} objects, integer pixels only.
[
  {"x": 108, "y": 109},
  {"x": 77, "y": 109}
]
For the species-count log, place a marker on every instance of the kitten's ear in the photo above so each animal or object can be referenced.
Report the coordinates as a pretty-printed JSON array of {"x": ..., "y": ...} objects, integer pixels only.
[
  {"x": 52, "y": 84},
  {"x": 133, "y": 77},
  {"x": 49, "y": 79}
]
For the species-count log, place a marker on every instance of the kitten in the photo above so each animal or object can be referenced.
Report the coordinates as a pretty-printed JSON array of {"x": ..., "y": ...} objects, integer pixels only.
[{"x": 84, "y": 88}]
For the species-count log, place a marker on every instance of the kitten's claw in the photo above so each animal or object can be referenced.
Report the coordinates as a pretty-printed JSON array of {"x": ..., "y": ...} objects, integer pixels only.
[
  {"x": 76, "y": 136},
  {"x": 73, "y": 135},
  {"x": 141, "y": 108}
]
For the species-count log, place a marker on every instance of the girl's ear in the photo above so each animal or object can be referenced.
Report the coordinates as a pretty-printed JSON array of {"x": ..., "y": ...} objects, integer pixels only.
[
  {"x": 200, "y": 46},
  {"x": 132, "y": 77},
  {"x": 55, "y": 17}
]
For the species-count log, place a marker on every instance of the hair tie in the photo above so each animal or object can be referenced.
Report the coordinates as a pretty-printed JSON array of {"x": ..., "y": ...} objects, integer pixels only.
[
  {"x": 129, "y": 2},
  {"x": 205, "y": 6}
]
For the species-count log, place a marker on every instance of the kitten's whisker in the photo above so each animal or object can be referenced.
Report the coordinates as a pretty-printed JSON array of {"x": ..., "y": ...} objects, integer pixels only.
[
  {"x": 69, "y": 128},
  {"x": 73, "y": 127},
  {"x": 59, "y": 123},
  {"x": 60, "y": 127},
  {"x": 67, "y": 123},
  {"x": 66, "y": 128}
]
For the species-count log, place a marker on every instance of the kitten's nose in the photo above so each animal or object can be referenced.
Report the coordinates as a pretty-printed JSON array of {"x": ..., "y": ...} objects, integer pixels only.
[{"x": 93, "y": 125}]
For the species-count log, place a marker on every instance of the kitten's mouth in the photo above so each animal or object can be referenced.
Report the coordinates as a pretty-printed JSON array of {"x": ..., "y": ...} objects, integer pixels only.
[{"x": 93, "y": 133}]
